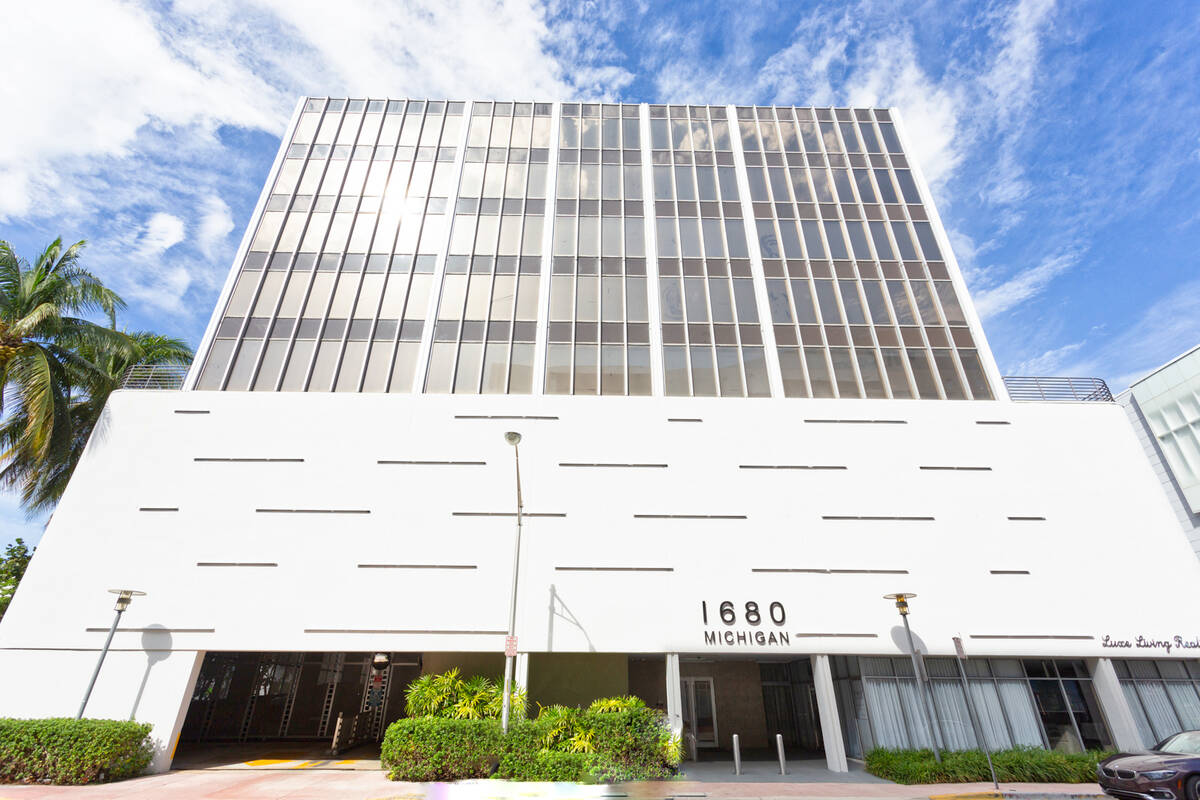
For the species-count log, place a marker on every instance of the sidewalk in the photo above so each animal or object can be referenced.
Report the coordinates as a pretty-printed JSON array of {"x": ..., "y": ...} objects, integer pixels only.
[{"x": 309, "y": 784}]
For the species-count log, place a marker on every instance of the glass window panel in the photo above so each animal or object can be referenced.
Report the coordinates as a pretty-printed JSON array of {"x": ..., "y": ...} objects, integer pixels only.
[
  {"x": 635, "y": 237},
  {"x": 849, "y": 137},
  {"x": 586, "y": 365},
  {"x": 770, "y": 134},
  {"x": 477, "y": 133},
  {"x": 668, "y": 242},
  {"x": 890, "y": 137},
  {"x": 818, "y": 372},
  {"x": 790, "y": 239},
  {"x": 893, "y": 363},
  {"x": 886, "y": 190},
  {"x": 704, "y": 377},
  {"x": 721, "y": 138},
  {"x": 876, "y": 303},
  {"x": 792, "y": 368},
  {"x": 925, "y": 304},
  {"x": 812, "y": 238},
  {"x": 418, "y": 297},
  {"x": 908, "y": 186},
  {"x": 503, "y": 293},
  {"x": 976, "y": 378},
  {"x": 826, "y": 299},
  {"x": 611, "y": 236},
  {"x": 589, "y": 236},
  {"x": 587, "y": 298},
  {"x": 722, "y": 303},
  {"x": 351, "y": 368},
  {"x": 729, "y": 372},
  {"x": 630, "y": 133},
  {"x": 564, "y": 236},
  {"x": 904, "y": 312},
  {"x": 510, "y": 236},
  {"x": 541, "y": 132},
  {"x": 883, "y": 245},
  {"x": 758, "y": 184},
  {"x": 568, "y": 181},
  {"x": 454, "y": 295},
  {"x": 869, "y": 137},
  {"x": 928, "y": 241},
  {"x": 589, "y": 132},
  {"x": 685, "y": 184},
  {"x": 368, "y": 296},
  {"x": 950, "y": 306},
  {"x": 558, "y": 369},
  {"x": 837, "y": 243},
  {"x": 663, "y": 189},
  {"x": 767, "y": 242},
  {"x": 297, "y": 367},
  {"x": 589, "y": 181},
  {"x": 676, "y": 371},
  {"x": 829, "y": 137},
  {"x": 635, "y": 295},
  {"x": 562, "y": 298},
  {"x": 944, "y": 359},
  {"x": 610, "y": 181},
  {"x": 681, "y": 134},
  {"x": 791, "y": 140},
  {"x": 639, "y": 370},
  {"x": 727, "y": 179},
  {"x": 820, "y": 181},
  {"x": 633, "y": 182},
  {"x": 923, "y": 374},
  {"x": 808, "y": 132},
  {"x": 735, "y": 236},
  {"x": 268, "y": 293},
  {"x": 841, "y": 179},
  {"x": 802, "y": 297},
  {"x": 706, "y": 179},
  {"x": 858, "y": 239},
  {"x": 749, "y": 136},
  {"x": 375, "y": 379},
  {"x": 466, "y": 376},
  {"x": 243, "y": 366},
  {"x": 744, "y": 300},
  {"x": 799, "y": 179},
  {"x": 866, "y": 191},
  {"x": 538, "y": 175},
  {"x": 850, "y": 302},
  {"x": 697, "y": 307},
  {"x": 531, "y": 236},
  {"x": 514, "y": 182},
  {"x": 612, "y": 367},
  {"x": 501, "y": 128},
  {"x": 778, "y": 300},
  {"x": 611, "y": 302},
  {"x": 318, "y": 296},
  {"x": 568, "y": 132},
  {"x": 293, "y": 294},
  {"x": 495, "y": 368},
  {"x": 872, "y": 379},
  {"x": 289, "y": 174},
  {"x": 323, "y": 366},
  {"x": 527, "y": 298},
  {"x": 493, "y": 178},
  {"x": 520, "y": 379},
  {"x": 660, "y": 136},
  {"x": 843, "y": 371}
]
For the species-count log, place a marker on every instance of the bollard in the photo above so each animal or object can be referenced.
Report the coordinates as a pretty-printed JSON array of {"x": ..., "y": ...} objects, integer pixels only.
[
  {"x": 782, "y": 760},
  {"x": 737, "y": 756}
]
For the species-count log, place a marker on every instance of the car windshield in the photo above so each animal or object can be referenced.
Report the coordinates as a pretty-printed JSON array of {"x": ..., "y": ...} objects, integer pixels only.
[{"x": 1185, "y": 743}]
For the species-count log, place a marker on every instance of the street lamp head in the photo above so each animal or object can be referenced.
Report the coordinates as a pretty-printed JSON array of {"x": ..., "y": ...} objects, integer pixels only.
[
  {"x": 380, "y": 661},
  {"x": 125, "y": 597},
  {"x": 513, "y": 438},
  {"x": 901, "y": 599}
]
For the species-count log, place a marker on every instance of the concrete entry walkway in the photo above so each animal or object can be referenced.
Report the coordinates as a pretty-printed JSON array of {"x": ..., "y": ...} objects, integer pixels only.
[
  {"x": 273, "y": 756},
  {"x": 763, "y": 771}
]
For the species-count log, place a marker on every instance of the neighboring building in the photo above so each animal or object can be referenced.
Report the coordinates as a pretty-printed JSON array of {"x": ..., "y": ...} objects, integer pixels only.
[
  {"x": 1164, "y": 408},
  {"x": 791, "y": 410}
]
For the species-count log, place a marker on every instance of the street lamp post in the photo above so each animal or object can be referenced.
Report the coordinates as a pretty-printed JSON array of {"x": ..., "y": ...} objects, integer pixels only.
[
  {"x": 513, "y": 438},
  {"x": 931, "y": 719},
  {"x": 124, "y": 598}
]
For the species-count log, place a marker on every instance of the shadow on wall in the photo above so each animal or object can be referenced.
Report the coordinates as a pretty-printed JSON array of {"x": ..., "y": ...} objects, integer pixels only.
[
  {"x": 156, "y": 643},
  {"x": 901, "y": 640},
  {"x": 559, "y": 609}
]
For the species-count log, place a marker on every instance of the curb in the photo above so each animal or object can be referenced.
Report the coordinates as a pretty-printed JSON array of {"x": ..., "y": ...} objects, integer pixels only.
[{"x": 1018, "y": 796}]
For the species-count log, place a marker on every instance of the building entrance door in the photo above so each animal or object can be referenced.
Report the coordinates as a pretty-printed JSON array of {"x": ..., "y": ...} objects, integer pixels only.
[{"x": 700, "y": 711}]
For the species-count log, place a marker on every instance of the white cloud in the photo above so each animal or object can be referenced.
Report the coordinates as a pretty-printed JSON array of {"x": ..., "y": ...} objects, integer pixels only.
[
  {"x": 216, "y": 223},
  {"x": 1024, "y": 285},
  {"x": 163, "y": 231}
]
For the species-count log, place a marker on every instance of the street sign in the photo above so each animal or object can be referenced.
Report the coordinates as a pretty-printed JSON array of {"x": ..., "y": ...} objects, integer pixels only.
[
  {"x": 510, "y": 646},
  {"x": 958, "y": 648}
]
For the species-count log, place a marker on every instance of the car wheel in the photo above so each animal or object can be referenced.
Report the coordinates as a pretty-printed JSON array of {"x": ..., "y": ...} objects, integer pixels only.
[{"x": 1193, "y": 788}]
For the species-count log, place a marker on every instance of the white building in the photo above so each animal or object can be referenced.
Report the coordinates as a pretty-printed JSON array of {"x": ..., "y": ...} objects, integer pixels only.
[
  {"x": 1164, "y": 408},
  {"x": 791, "y": 411}
]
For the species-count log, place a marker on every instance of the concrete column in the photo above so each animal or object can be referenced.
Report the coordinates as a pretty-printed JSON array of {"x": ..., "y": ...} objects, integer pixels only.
[
  {"x": 1112, "y": 703},
  {"x": 827, "y": 710},
  {"x": 674, "y": 695}
]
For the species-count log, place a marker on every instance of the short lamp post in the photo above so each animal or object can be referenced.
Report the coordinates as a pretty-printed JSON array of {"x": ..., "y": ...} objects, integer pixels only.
[
  {"x": 124, "y": 598},
  {"x": 513, "y": 438},
  {"x": 901, "y": 599}
]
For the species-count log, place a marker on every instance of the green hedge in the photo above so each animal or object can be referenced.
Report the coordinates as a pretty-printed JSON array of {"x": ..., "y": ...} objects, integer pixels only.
[
  {"x": 608, "y": 744},
  {"x": 438, "y": 749},
  {"x": 72, "y": 751},
  {"x": 1024, "y": 765}
]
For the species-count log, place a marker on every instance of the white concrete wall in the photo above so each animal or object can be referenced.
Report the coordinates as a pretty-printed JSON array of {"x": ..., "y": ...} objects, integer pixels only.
[{"x": 1077, "y": 465}]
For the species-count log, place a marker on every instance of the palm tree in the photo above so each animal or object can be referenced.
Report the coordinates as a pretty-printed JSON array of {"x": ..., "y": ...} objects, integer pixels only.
[
  {"x": 57, "y": 368},
  {"x": 43, "y": 481}
]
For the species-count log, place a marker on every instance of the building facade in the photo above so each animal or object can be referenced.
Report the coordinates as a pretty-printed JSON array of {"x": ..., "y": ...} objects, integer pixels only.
[
  {"x": 754, "y": 397},
  {"x": 1164, "y": 409}
]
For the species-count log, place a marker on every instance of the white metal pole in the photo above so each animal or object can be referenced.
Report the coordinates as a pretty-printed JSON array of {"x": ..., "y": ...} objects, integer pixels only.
[
  {"x": 506, "y": 702},
  {"x": 99, "y": 662}
]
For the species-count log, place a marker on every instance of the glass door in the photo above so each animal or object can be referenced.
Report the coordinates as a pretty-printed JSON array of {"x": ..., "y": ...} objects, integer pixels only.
[{"x": 700, "y": 710}]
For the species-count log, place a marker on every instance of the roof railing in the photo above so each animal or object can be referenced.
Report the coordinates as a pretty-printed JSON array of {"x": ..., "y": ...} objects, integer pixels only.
[
  {"x": 154, "y": 376},
  {"x": 1057, "y": 390}
]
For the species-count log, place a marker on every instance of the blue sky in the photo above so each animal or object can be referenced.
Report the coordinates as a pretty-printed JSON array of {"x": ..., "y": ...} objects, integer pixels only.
[{"x": 1061, "y": 140}]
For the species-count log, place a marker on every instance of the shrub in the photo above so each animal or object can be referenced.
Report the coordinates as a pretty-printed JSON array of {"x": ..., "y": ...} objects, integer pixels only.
[
  {"x": 436, "y": 749},
  {"x": 1022, "y": 764},
  {"x": 451, "y": 696},
  {"x": 72, "y": 751}
]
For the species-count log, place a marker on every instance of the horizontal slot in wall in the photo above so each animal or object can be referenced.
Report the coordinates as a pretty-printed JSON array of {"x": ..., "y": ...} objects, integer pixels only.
[
  {"x": 1027, "y": 519},
  {"x": 503, "y": 416},
  {"x": 614, "y": 569},
  {"x": 800, "y": 635},
  {"x": 792, "y": 466},
  {"x": 992, "y": 422},
  {"x": 159, "y": 508},
  {"x": 954, "y": 469},
  {"x": 311, "y": 511},
  {"x": 236, "y": 564},
  {"x": 690, "y": 516},
  {"x": 684, "y": 419},
  {"x": 856, "y": 421},
  {"x": 377, "y": 631},
  {"x": 433, "y": 463},
  {"x": 191, "y": 411},
  {"x": 1009, "y": 571},
  {"x": 418, "y": 566},
  {"x": 847, "y": 518},
  {"x": 152, "y": 630},
  {"x": 250, "y": 460},
  {"x": 504, "y": 514},
  {"x": 612, "y": 465},
  {"x": 821, "y": 571},
  {"x": 1036, "y": 636}
]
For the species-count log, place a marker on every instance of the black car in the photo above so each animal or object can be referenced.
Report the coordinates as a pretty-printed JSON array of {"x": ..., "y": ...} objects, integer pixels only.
[{"x": 1168, "y": 771}]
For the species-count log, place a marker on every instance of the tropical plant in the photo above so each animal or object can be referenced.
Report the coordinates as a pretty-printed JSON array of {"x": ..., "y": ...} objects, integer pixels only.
[
  {"x": 57, "y": 368},
  {"x": 12, "y": 568},
  {"x": 449, "y": 695},
  {"x": 612, "y": 705}
]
